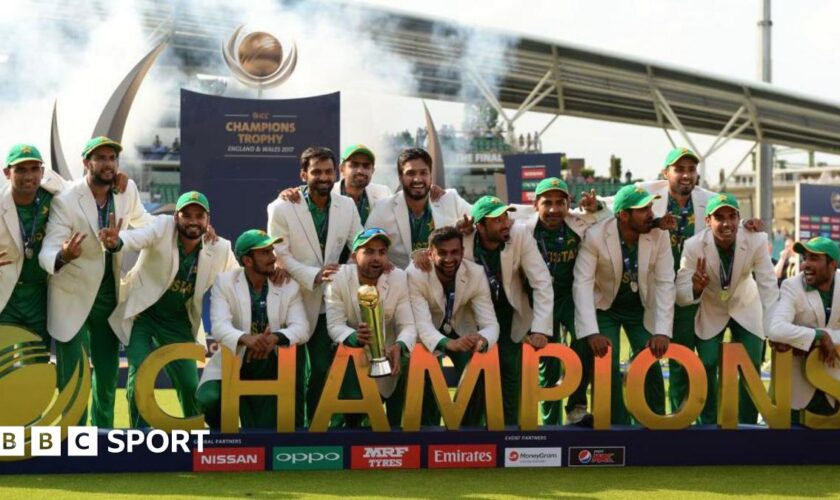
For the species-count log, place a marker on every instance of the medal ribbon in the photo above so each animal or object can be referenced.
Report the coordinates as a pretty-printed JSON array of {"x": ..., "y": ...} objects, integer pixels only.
[
  {"x": 450, "y": 306},
  {"x": 726, "y": 271},
  {"x": 629, "y": 267},
  {"x": 30, "y": 236}
]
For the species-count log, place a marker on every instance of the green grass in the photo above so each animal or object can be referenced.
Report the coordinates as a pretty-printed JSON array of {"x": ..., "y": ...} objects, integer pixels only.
[{"x": 648, "y": 482}]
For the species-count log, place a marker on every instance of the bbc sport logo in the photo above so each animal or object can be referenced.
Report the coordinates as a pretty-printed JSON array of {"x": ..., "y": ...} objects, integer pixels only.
[
  {"x": 83, "y": 441},
  {"x": 533, "y": 457}
]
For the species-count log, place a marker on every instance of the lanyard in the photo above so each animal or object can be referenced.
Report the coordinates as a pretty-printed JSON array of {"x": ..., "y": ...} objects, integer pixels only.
[
  {"x": 104, "y": 212},
  {"x": 685, "y": 213},
  {"x": 492, "y": 279},
  {"x": 362, "y": 205},
  {"x": 726, "y": 270},
  {"x": 630, "y": 267},
  {"x": 259, "y": 309},
  {"x": 28, "y": 238},
  {"x": 447, "y": 316},
  {"x": 560, "y": 240},
  {"x": 827, "y": 307}
]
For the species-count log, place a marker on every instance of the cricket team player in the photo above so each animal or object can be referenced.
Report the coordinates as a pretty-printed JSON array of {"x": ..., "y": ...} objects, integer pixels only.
[
  {"x": 84, "y": 283},
  {"x": 252, "y": 316},
  {"x": 345, "y": 325},
  {"x": 314, "y": 234},
  {"x": 453, "y": 312},
  {"x": 163, "y": 293},
  {"x": 624, "y": 279},
  {"x": 729, "y": 274}
]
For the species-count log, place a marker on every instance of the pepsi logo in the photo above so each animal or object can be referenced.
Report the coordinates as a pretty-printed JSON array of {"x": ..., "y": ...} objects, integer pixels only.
[{"x": 585, "y": 456}]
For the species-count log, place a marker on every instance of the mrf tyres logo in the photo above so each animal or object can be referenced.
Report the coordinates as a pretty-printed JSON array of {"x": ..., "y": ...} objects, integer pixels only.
[
  {"x": 308, "y": 458},
  {"x": 533, "y": 457},
  {"x": 444, "y": 456},
  {"x": 385, "y": 457},
  {"x": 596, "y": 457}
]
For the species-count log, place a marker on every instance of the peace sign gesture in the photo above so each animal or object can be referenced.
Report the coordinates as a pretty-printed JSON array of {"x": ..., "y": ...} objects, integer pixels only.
[
  {"x": 700, "y": 279},
  {"x": 588, "y": 201},
  {"x": 71, "y": 249},
  {"x": 110, "y": 236}
]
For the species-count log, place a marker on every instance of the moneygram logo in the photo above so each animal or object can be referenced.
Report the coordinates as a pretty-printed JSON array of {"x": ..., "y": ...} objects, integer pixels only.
[
  {"x": 308, "y": 458},
  {"x": 462, "y": 456},
  {"x": 596, "y": 457},
  {"x": 229, "y": 459},
  {"x": 385, "y": 457},
  {"x": 533, "y": 457}
]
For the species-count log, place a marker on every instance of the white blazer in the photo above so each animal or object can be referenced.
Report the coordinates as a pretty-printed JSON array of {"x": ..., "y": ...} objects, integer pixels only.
[
  {"x": 599, "y": 268},
  {"x": 230, "y": 313},
  {"x": 699, "y": 200},
  {"x": 472, "y": 309},
  {"x": 751, "y": 298},
  {"x": 793, "y": 320},
  {"x": 391, "y": 214},
  {"x": 300, "y": 250},
  {"x": 73, "y": 288},
  {"x": 10, "y": 239},
  {"x": 157, "y": 267},
  {"x": 521, "y": 259},
  {"x": 343, "y": 314},
  {"x": 576, "y": 223},
  {"x": 375, "y": 192}
]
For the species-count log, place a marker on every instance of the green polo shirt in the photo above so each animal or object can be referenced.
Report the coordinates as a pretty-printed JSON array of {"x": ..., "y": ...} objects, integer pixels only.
[
  {"x": 678, "y": 238},
  {"x": 320, "y": 217},
  {"x": 421, "y": 228},
  {"x": 170, "y": 311},
  {"x": 559, "y": 249}
]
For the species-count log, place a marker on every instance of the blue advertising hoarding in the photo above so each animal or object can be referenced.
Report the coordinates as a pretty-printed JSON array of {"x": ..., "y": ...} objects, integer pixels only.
[
  {"x": 817, "y": 211},
  {"x": 524, "y": 171}
]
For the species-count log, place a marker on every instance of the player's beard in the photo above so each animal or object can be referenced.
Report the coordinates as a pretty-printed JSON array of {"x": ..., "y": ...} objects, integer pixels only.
[
  {"x": 371, "y": 271},
  {"x": 99, "y": 180},
  {"x": 191, "y": 231}
]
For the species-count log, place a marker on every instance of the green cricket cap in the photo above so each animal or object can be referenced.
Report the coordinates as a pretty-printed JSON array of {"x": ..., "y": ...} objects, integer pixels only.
[
  {"x": 632, "y": 196},
  {"x": 357, "y": 148},
  {"x": 192, "y": 198},
  {"x": 722, "y": 200},
  {"x": 820, "y": 245},
  {"x": 253, "y": 239},
  {"x": 21, "y": 153},
  {"x": 367, "y": 235},
  {"x": 100, "y": 141},
  {"x": 551, "y": 184},
  {"x": 489, "y": 206},
  {"x": 677, "y": 153}
]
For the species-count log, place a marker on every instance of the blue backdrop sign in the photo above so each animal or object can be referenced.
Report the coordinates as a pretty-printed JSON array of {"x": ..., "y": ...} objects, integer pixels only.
[
  {"x": 818, "y": 211},
  {"x": 242, "y": 152},
  {"x": 524, "y": 171}
]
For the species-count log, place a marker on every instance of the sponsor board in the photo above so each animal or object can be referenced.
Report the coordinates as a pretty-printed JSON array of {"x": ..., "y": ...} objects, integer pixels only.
[
  {"x": 533, "y": 457},
  {"x": 229, "y": 459},
  {"x": 590, "y": 456},
  {"x": 308, "y": 457},
  {"x": 451, "y": 456},
  {"x": 385, "y": 457}
]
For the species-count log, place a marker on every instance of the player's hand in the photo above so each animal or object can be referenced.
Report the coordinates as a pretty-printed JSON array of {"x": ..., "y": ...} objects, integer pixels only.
[
  {"x": 71, "y": 249},
  {"x": 326, "y": 273},
  {"x": 537, "y": 340},
  {"x": 110, "y": 236},
  {"x": 120, "y": 182},
  {"x": 436, "y": 192},
  {"x": 422, "y": 260},
  {"x": 699, "y": 280},
  {"x": 465, "y": 225},
  {"x": 280, "y": 276},
  {"x": 4, "y": 262},
  {"x": 463, "y": 344},
  {"x": 658, "y": 344},
  {"x": 389, "y": 266},
  {"x": 291, "y": 194},
  {"x": 394, "y": 355},
  {"x": 363, "y": 334},
  {"x": 668, "y": 222},
  {"x": 255, "y": 345},
  {"x": 599, "y": 344},
  {"x": 210, "y": 236},
  {"x": 588, "y": 201},
  {"x": 828, "y": 353},
  {"x": 754, "y": 225},
  {"x": 779, "y": 347},
  {"x": 268, "y": 342}
]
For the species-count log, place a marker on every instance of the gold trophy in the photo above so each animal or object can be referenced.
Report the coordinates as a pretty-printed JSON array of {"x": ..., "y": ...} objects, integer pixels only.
[{"x": 371, "y": 311}]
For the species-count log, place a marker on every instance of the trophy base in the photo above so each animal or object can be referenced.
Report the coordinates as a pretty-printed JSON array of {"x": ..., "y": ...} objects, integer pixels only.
[{"x": 379, "y": 367}]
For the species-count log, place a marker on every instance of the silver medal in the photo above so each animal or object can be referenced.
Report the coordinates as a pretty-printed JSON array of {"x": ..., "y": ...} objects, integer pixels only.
[
  {"x": 447, "y": 328},
  {"x": 634, "y": 286},
  {"x": 28, "y": 252}
]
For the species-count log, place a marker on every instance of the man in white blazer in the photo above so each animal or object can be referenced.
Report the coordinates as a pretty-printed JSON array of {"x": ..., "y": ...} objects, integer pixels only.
[
  {"x": 453, "y": 313},
  {"x": 411, "y": 215},
  {"x": 508, "y": 255},
  {"x": 558, "y": 232},
  {"x": 24, "y": 209},
  {"x": 84, "y": 286},
  {"x": 716, "y": 271},
  {"x": 345, "y": 325},
  {"x": 162, "y": 295},
  {"x": 252, "y": 316},
  {"x": 807, "y": 317},
  {"x": 624, "y": 278},
  {"x": 315, "y": 234}
]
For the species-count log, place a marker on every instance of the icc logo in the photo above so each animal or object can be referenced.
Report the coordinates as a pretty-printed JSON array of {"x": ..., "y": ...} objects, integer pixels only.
[
  {"x": 257, "y": 59},
  {"x": 28, "y": 384}
]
